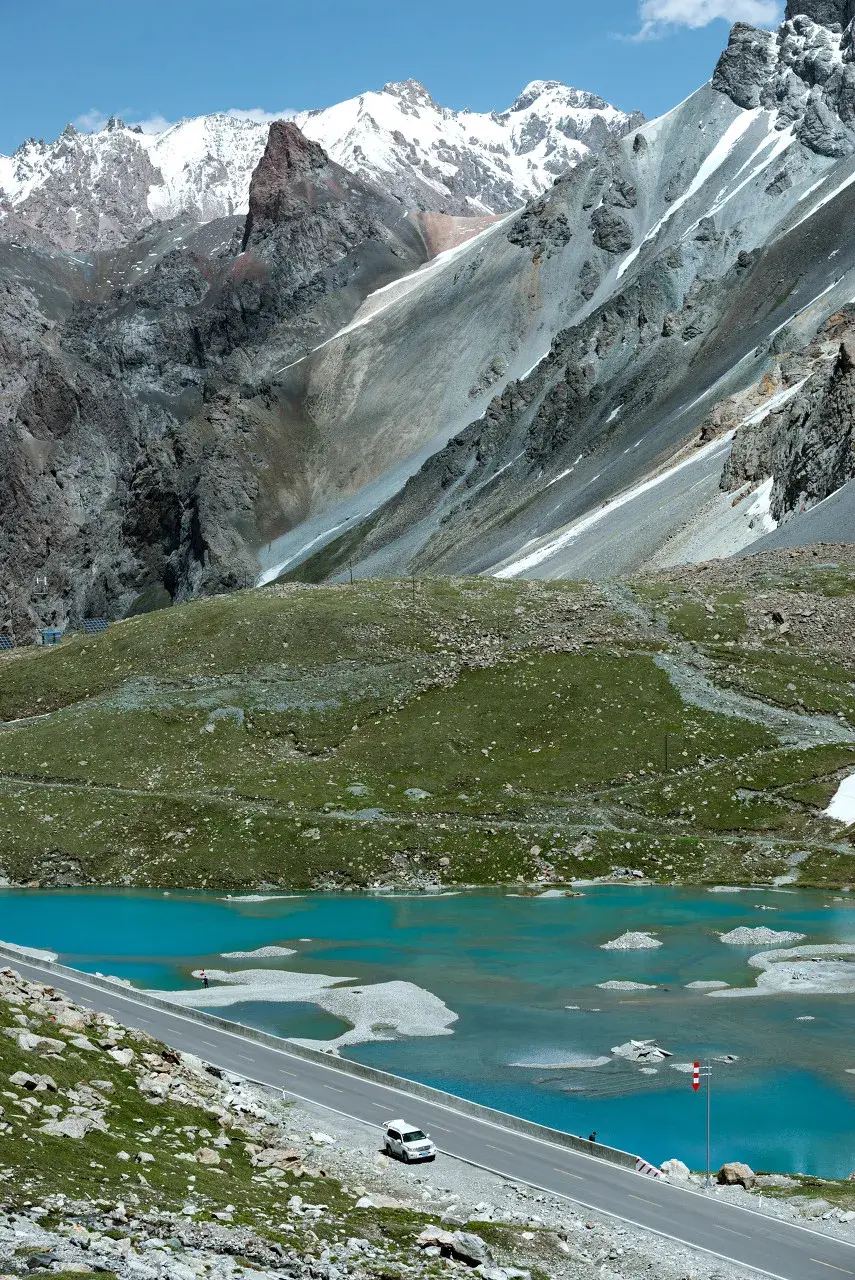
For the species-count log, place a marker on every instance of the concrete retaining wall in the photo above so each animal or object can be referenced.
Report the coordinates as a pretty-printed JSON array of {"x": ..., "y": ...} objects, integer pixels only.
[{"x": 516, "y": 1123}]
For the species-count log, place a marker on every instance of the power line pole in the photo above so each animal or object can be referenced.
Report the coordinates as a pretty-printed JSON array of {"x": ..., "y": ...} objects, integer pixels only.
[
  {"x": 709, "y": 1084},
  {"x": 705, "y": 1073}
]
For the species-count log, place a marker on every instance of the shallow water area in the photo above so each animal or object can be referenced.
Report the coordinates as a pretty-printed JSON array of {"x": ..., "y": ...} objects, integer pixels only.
[{"x": 535, "y": 1028}]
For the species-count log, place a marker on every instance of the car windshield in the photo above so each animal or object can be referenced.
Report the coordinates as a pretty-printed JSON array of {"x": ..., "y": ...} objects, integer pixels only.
[{"x": 415, "y": 1135}]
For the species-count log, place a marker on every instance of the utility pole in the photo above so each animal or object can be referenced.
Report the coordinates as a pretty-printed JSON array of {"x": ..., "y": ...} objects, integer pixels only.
[
  {"x": 698, "y": 1073},
  {"x": 709, "y": 1083},
  {"x": 666, "y": 750},
  {"x": 350, "y": 567}
]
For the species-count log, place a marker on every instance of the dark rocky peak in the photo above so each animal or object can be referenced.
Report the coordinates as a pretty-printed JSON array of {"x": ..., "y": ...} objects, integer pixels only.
[
  {"x": 826, "y": 12},
  {"x": 802, "y": 73},
  {"x": 292, "y": 173},
  {"x": 410, "y": 91}
]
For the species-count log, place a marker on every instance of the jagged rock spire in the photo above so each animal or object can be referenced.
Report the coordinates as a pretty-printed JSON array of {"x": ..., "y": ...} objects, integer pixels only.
[
  {"x": 826, "y": 12},
  {"x": 285, "y": 176}
]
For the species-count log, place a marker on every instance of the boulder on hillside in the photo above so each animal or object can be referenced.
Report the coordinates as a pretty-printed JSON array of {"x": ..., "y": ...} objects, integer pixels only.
[
  {"x": 29, "y": 1042},
  {"x": 469, "y": 1248},
  {"x": 465, "y": 1246},
  {"x": 736, "y": 1174},
  {"x": 73, "y": 1126},
  {"x": 277, "y": 1157}
]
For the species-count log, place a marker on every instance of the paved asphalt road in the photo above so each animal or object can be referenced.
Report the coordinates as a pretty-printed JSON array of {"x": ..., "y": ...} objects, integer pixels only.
[{"x": 774, "y": 1248}]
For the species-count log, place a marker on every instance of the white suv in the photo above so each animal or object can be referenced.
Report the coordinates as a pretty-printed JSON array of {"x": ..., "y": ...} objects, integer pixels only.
[{"x": 407, "y": 1142}]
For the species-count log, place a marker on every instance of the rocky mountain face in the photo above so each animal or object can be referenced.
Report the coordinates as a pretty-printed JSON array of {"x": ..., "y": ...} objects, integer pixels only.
[
  {"x": 142, "y": 438},
  {"x": 808, "y": 445},
  {"x": 87, "y": 191},
  {"x": 639, "y": 367},
  {"x": 667, "y": 276}
]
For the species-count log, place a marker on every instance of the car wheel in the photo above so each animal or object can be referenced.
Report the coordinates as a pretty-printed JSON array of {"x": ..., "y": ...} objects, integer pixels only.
[
  {"x": 387, "y": 1149},
  {"x": 405, "y": 1156}
]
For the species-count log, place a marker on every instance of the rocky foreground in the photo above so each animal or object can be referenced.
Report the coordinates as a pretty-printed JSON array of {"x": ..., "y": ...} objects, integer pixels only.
[{"x": 121, "y": 1156}]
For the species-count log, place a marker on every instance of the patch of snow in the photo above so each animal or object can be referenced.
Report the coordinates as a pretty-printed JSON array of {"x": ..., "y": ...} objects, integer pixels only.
[
  {"x": 826, "y": 199},
  {"x": 523, "y": 376},
  {"x": 551, "y": 546},
  {"x": 842, "y": 807},
  {"x": 807, "y": 306},
  {"x": 270, "y": 575},
  {"x": 707, "y": 168},
  {"x": 777, "y": 401},
  {"x": 759, "y": 514}
]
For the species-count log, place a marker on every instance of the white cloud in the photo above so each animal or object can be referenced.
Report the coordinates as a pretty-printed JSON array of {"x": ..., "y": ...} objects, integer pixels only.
[
  {"x": 93, "y": 121},
  {"x": 258, "y": 115},
  {"x": 154, "y": 124},
  {"x": 657, "y": 15}
]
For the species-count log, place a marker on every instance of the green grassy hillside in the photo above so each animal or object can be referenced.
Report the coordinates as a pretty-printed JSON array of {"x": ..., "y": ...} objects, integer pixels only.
[{"x": 691, "y": 726}]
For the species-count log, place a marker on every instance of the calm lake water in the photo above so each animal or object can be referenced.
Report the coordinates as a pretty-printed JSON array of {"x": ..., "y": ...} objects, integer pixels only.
[{"x": 509, "y": 966}]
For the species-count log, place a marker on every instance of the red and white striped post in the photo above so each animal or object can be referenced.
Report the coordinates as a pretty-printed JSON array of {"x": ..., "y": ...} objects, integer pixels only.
[{"x": 696, "y": 1084}]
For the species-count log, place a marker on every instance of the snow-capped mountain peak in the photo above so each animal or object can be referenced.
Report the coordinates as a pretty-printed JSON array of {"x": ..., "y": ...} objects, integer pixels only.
[{"x": 88, "y": 190}]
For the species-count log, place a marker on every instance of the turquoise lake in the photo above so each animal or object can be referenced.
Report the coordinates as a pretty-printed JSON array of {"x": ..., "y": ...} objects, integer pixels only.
[{"x": 509, "y": 967}]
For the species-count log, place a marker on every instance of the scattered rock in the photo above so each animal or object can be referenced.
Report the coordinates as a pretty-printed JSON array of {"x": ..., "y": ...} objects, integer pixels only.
[
  {"x": 124, "y": 1057},
  {"x": 29, "y": 1042},
  {"x": 76, "y": 1125},
  {"x": 627, "y": 986},
  {"x": 206, "y": 1155},
  {"x": 641, "y": 1051},
  {"x": 736, "y": 1174},
  {"x": 277, "y": 1157},
  {"x": 760, "y": 937},
  {"x": 632, "y": 942},
  {"x": 815, "y": 1208}
]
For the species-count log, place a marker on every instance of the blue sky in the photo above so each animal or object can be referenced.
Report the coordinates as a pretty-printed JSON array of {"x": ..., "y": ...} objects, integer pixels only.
[{"x": 166, "y": 59}]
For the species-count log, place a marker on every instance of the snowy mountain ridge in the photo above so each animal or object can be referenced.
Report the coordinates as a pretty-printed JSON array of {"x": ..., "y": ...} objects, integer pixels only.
[{"x": 98, "y": 190}]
